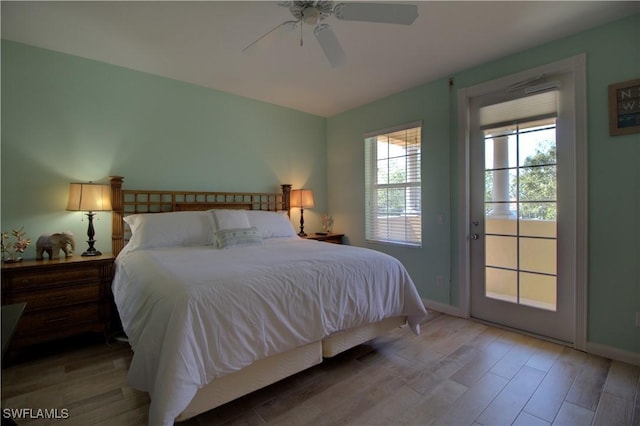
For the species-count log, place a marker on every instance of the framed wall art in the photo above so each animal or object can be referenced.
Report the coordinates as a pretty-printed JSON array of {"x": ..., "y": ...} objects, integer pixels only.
[{"x": 624, "y": 108}]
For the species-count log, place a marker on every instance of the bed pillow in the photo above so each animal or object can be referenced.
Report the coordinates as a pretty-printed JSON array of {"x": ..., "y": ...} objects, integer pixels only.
[
  {"x": 226, "y": 238},
  {"x": 271, "y": 224},
  {"x": 230, "y": 219},
  {"x": 155, "y": 230}
]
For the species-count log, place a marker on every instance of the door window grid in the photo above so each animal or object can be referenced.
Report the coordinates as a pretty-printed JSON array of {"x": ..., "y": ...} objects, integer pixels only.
[{"x": 515, "y": 270}]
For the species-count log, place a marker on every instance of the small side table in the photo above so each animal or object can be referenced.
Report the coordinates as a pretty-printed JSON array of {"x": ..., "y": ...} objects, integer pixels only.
[
  {"x": 65, "y": 297},
  {"x": 328, "y": 238}
]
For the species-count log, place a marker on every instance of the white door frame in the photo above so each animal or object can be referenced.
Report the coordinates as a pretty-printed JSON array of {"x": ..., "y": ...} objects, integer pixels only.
[{"x": 575, "y": 65}]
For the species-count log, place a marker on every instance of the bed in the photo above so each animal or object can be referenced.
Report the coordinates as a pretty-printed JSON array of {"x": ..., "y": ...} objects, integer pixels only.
[{"x": 219, "y": 297}]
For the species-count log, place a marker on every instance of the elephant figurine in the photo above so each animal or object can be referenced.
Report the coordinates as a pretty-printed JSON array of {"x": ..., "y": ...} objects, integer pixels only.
[{"x": 53, "y": 243}]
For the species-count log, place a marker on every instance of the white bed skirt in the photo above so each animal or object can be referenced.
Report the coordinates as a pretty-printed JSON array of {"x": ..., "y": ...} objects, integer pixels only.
[
  {"x": 347, "y": 339},
  {"x": 256, "y": 376},
  {"x": 280, "y": 366}
]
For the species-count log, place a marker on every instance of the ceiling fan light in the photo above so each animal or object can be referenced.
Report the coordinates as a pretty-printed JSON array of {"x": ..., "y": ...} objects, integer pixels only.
[{"x": 311, "y": 15}]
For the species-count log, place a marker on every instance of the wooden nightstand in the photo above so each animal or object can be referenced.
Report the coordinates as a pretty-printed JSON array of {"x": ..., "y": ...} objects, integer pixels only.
[
  {"x": 329, "y": 238},
  {"x": 64, "y": 297}
]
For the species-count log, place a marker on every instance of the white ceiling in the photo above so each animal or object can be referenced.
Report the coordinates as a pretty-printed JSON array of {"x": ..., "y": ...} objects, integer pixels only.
[{"x": 201, "y": 42}]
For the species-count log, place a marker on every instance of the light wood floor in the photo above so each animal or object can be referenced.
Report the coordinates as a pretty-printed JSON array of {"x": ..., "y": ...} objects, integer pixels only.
[{"x": 457, "y": 372}]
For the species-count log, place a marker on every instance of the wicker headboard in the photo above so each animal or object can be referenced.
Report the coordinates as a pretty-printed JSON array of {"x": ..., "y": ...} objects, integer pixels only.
[{"x": 131, "y": 201}]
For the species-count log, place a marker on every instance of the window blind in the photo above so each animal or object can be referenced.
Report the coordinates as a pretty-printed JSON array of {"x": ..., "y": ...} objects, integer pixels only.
[
  {"x": 540, "y": 105},
  {"x": 393, "y": 211}
]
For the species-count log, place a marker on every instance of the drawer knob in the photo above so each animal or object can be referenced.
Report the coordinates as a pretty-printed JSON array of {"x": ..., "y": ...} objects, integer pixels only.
[
  {"x": 58, "y": 297},
  {"x": 58, "y": 319}
]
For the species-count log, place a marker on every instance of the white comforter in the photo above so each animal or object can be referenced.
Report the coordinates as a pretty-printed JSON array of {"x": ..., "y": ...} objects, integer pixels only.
[{"x": 194, "y": 314}]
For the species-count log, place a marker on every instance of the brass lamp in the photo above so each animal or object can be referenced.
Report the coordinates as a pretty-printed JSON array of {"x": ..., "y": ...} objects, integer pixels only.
[
  {"x": 90, "y": 198},
  {"x": 303, "y": 199}
]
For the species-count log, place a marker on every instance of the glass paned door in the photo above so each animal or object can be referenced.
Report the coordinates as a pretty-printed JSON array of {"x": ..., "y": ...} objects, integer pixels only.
[
  {"x": 523, "y": 236},
  {"x": 518, "y": 276}
]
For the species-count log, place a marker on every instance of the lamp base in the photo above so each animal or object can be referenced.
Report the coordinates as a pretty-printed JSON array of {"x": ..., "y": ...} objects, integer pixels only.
[
  {"x": 91, "y": 251},
  {"x": 302, "y": 233}
]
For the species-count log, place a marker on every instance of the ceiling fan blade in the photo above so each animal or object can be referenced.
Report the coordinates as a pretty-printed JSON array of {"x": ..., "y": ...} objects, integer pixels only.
[
  {"x": 330, "y": 44},
  {"x": 386, "y": 13},
  {"x": 270, "y": 38}
]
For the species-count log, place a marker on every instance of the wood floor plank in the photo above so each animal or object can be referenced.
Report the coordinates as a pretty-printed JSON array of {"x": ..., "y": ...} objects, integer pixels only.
[
  {"x": 517, "y": 357},
  {"x": 46, "y": 397},
  {"x": 433, "y": 405},
  {"x": 282, "y": 401},
  {"x": 250, "y": 419},
  {"x": 446, "y": 336},
  {"x": 526, "y": 419},
  {"x": 573, "y": 415},
  {"x": 457, "y": 372},
  {"x": 546, "y": 355},
  {"x": 420, "y": 352},
  {"x": 21, "y": 380},
  {"x": 132, "y": 409},
  {"x": 473, "y": 402},
  {"x": 481, "y": 364},
  {"x": 484, "y": 338},
  {"x": 613, "y": 410},
  {"x": 443, "y": 369},
  {"x": 588, "y": 386},
  {"x": 397, "y": 365},
  {"x": 622, "y": 380},
  {"x": 88, "y": 387},
  {"x": 345, "y": 411},
  {"x": 506, "y": 407},
  {"x": 389, "y": 409},
  {"x": 548, "y": 398},
  {"x": 88, "y": 405}
]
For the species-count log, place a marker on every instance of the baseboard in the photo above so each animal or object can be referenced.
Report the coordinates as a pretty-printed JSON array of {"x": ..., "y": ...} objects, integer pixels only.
[
  {"x": 613, "y": 353},
  {"x": 443, "y": 308},
  {"x": 590, "y": 347}
]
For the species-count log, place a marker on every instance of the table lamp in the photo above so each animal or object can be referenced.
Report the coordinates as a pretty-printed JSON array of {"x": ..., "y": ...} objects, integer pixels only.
[
  {"x": 302, "y": 198},
  {"x": 90, "y": 198}
]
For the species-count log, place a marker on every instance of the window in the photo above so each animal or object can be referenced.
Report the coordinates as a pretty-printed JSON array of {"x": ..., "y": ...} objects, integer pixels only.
[{"x": 393, "y": 211}]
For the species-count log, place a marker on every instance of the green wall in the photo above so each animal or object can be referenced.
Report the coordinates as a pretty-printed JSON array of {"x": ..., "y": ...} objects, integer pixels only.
[
  {"x": 68, "y": 119},
  {"x": 613, "y": 170}
]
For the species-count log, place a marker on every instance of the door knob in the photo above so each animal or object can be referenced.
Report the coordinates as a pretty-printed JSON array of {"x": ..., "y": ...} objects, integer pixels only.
[{"x": 475, "y": 236}]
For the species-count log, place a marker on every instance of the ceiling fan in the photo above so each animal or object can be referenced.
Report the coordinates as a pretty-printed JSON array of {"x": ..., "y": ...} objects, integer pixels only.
[{"x": 314, "y": 12}]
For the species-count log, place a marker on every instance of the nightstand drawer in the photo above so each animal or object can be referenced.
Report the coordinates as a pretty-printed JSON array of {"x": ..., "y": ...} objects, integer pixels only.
[
  {"x": 327, "y": 238},
  {"x": 70, "y": 317},
  {"x": 32, "y": 279},
  {"x": 59, "y": 297},
  {"x": 64, "y": 297}
]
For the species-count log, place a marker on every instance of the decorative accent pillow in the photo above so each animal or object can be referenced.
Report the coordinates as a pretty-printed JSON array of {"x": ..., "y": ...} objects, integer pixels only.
[
  {"x": 226, "y": 238},
  {"x": 271, "y": 224},
  {"x": 230, "y": 219},
  {"x": 154, "y": 230}
]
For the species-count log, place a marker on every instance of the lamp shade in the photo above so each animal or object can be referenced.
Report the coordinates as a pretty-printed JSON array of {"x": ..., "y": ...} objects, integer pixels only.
[
  {"x": 302, "y": 198},
  {"x": 91, "y": 197}
]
